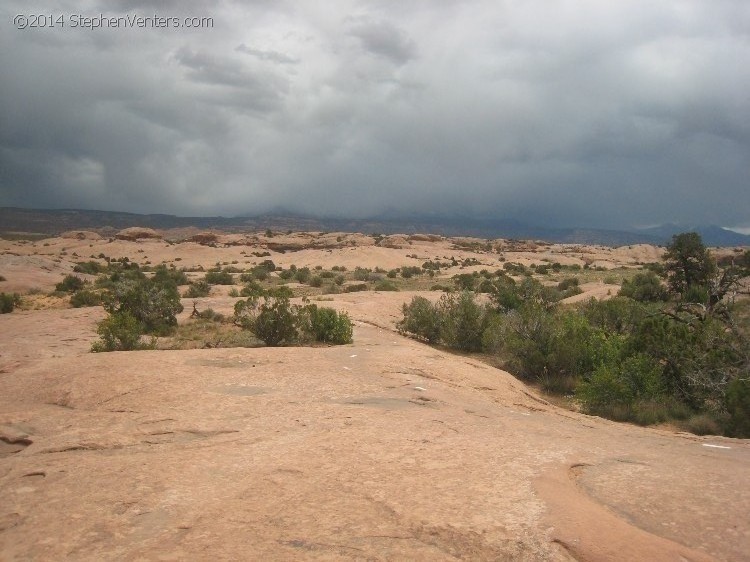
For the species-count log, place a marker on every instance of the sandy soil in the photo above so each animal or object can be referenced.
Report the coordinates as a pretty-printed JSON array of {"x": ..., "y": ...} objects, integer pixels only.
[{"x": 385, "y": 449}]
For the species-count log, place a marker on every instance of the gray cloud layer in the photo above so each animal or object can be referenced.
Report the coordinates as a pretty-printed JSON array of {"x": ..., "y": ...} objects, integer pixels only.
[{"x": 587, "y": 113}]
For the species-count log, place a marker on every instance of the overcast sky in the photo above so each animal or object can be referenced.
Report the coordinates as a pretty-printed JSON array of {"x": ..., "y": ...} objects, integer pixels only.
[{"x": 565, "y": 113}]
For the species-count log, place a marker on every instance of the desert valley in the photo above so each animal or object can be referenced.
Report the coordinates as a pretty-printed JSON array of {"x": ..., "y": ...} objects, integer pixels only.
[{"x": 214, "y": 446}]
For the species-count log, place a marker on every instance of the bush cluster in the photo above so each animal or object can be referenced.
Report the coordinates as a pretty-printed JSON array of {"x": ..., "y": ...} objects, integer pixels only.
[
  {"x": 8, "y": 302},
  {"x": 278, "y": 322},
  {"x": 633, "y": 357},
  {"x": 136, "y": 306}
]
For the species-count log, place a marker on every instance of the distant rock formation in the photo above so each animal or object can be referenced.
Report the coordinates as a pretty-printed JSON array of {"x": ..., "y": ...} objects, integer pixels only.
[
  {"x": 137, "y": 233},
  {"x": 81, "y": 235}
]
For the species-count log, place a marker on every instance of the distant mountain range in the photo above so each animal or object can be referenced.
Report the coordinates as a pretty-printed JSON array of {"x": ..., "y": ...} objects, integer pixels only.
[{"x": 56, "y": 221}]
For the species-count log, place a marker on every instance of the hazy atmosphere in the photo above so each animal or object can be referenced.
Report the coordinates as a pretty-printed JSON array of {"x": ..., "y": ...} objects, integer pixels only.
[{"x": 603, "y": 114}]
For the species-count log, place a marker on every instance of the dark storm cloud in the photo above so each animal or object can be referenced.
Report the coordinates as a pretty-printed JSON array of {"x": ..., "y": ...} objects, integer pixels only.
[
  {"x": 587, "y": 113},
  {"x": 384, "y": 39}
]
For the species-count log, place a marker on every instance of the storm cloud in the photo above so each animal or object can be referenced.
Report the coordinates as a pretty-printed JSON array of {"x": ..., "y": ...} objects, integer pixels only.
[{"x": 587, "y": 113}]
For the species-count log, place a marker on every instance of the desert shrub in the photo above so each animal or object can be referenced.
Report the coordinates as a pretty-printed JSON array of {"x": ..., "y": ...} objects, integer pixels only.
[
  {"x": 567, "y": 283},
  {"x": 8, "y": 302},
  {"x": 85, "y": 297},
  {"x": 154, "y": 305},
  {"x": 233, "y": 292},
  {"x": 274, "y": 321},
  {"x": 120, "y": 331},
  {"x": 409, "y": 271},
  {"x": 287, "y": 274},
  {"x": 327, "y": 275},
  {"x": 327, "y": 325},
  {"x": 197, "y": 289},
  {"x": 90, "y": 267},
  {"x": 392, "y": 274},
  {"x": 302, "y": 275},
  {"x": 421, "y": 319},
  {"x": 465, "y": 281},
  {"x": 354, "y": 288},
  {"x": 737, "y": 401},
  {"x": 252, "y": 289},
  {"x": 637, "y": 378},
  {"x": 385, "y": 285},
  {"x": 362, "y": 273},
  {"x": 162, "y": 274},
  {"x": 316, "y": 281},
  {"x": 644, "y": 287},
  {"x": 219, "y": 278},
  {"x": 280, "y": 292},
  {"x": 211, "y": 314},
  {"x": 702, "y": 424},
  {"x": 70, "y": 284},
  {"x": 461, "y": 321},
  {"x": 339, "y": 280}
]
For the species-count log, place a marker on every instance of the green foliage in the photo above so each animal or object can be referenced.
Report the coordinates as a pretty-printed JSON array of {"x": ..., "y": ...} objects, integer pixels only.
[
  {"x": 421, "y": 319},
  {"x": 120, "y": 331},
  {"x": 85, "y": 297},
  {"x": 8, "y": 302},
  {"x": 89, "y": 267},
  {"x": 688, "y": 263},
  {"x": 162, "y": 275},
  {"x": 465, "y": 281},
  {"x": 385, "y": 285},
  {"x": 461, "y": 321},
  {"x": 222, "y": 277},
  {"x": 303, "y": 274},
  {"x": 356, "y": 287},
  {"x": 644, "y": 287},
  {"x": 152, "y": 303},
  {"x": 636, "y": 378},
  {"x": 197, "y": 289},
  {"x": 738, "y": 408},
  {"x": 362, "y": 273},
  {"x": 277, "y": 322},
  {"x": 70, "y": 284},
  {"x": 409, "y": 271},
  {"x": 327, "y": 325}
]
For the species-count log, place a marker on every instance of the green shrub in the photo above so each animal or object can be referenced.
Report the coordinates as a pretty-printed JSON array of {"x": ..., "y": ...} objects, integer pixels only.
[
  {"x": 70, "y": 284},
  {"x": 461, "y": 321},
  {"x": 421, "y": 319},
  {"x": 219, "y": 278},
  {"x": 162, "y": 274},
  {"x": 234, "y": 293},
  {"x": 644, "y": 287},
  {"x": 89, "y": 267},
  {"x": 274, "y": 320},
  {"x": 8, "y": 302},
  {"x": 637, "y": 378},
  {"x": 385, "y": 285},
  {"x": 410, "y": 271},
  {"x": 339, "y": 280},
  {"x": 327, "y": 325},
  {"x": 362, "y": 273},
  {"x": 85, "y": 298},
  {"x": 302, "y": 275},
  {"x": 356, "y": 288},
  {"x": 154, "y": 305},
  {"x": 197, "y": 289},
  {"x": 316, "y": 281},
  {"x": 120, "y": 331},
  {"x": 738, "y": 408}
]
